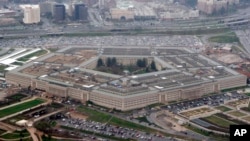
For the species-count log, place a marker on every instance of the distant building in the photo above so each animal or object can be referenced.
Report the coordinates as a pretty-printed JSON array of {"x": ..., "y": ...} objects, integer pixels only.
[
  {"x": 211, "y": 6},
  {"x": 59, "y": 12},
  {"x": 31, "y": 14},
  {"x": 179, "y": 14},
  {"x": 7, "y": 13},
  {"x": 80, "y": 12},
  {"x": 121, "y": 14},
  {"x": 46, "y": 7},
  {"x": 2, "y": 2},
  {"x": 144, "y": 13}
]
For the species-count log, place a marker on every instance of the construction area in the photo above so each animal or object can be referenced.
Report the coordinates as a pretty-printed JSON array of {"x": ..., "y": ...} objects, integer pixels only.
[{"x": 198, "y": 112}]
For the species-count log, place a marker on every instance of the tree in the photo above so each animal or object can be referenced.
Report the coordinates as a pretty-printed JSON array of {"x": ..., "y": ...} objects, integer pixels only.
[
  {"x": 113, "y": 61},
  {"x": 139, "y": 63},
  {"x": 109, "y": 62},
  {"x": 222, "y": 11},
  {"x": 153, "y": 66},
  {"x": 144, "y": 62},
  {"x": 99, "y": 62}
]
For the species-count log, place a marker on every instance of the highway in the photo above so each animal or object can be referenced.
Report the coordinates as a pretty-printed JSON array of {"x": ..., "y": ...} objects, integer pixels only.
[{"x": 98, "y": 25}]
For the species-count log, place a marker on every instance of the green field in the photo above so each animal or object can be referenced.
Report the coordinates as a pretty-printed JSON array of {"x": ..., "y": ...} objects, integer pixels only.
[
  {"x": 2, "y": 131},
  {"x": 17, "y": 96},
  {"x": 16, "y": 135},
  {"x": 27, "y": 57},
  {"x": 247, "y": 118},
  {"x": 223, "y": 108},
  {"x": 17, "y": 63},
  {"x": 224, "y": 39},
  {"x": 12, "y": 99},
  {"x": 237, "y": 114},
  {"x": 20, "y": 107},
  {"x": 103, "y": 117},
  {"x": 143, "y": 119},
  {"x": 247, "y": 109},
  {"x": 3, "y": 67},
  {"x": 218, "y": 121},
  {"x": 217, "y": 137}
]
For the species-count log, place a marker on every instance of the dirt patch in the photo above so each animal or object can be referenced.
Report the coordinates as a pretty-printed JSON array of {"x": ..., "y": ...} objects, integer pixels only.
[
  {"x": 227, "y": 58},
  {"x": 75, "y": 114}
]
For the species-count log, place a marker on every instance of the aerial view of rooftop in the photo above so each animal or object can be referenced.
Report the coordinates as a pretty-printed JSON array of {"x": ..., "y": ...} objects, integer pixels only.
[{"x": 124, "y": 70}]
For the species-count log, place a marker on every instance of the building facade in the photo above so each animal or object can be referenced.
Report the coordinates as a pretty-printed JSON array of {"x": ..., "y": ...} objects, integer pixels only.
[
  {"x": 81, "y": 12},
  {"x": 59, "y": 12},
  {"x": 172, "y": 81},
  {"x": 31, "y": 14},
  {"x": 212, "y": 6},
  {"x": 46, "y": 7}
]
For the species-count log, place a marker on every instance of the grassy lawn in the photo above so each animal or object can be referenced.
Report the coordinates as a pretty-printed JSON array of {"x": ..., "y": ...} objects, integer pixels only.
[
  {"x": 247, "y": 118},
  {"x": 248, "y": 94},
  {"x": 2, "y": 67},
  {"x": 223, "y": 108},
  {"x": 229, "y": 118},
  {"x": 12, "y": 99},
  {"x": 27, "y": 57},
  {"x": 2, "y": 131},
  {"x": 103, "y": 117},
  {"x": 28, "y": 139},
  {"x": 208, "y": 134},
  {"x": 218, "y": 121},
  {"x": 17, "y": 63},
  {"x": 143, "y": 119},
  {"x": 226, "y": 38},
  {"x": 155, "y": 105},
  {"x": 13, "y": 120},
  {"x": 247, "y": 109},
  {"x": 53, "y": 49},
  {"x": 87, "y": 34},
  {"x": 17, "y": 96},
  {"x": 237, "y": 114},
  {"x": 234, "y": 89},
  {"x": 20, "y": 107},
  {"x": 15, "y": 135}
]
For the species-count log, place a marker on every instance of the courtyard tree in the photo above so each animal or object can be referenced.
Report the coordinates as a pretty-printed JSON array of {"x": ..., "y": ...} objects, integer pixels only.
[
  {"x": 100, "y": 62},
  {"x": 108, "y": 62},
  {"x": 141, "y": 62},
  {"x": 153, "y": 66},
  {"x": 145, "y": 62},
  {"x": 113, "y": 61}
]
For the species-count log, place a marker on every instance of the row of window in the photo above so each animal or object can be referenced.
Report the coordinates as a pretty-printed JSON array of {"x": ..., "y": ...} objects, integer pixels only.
[{"x": 113, "y": 103}]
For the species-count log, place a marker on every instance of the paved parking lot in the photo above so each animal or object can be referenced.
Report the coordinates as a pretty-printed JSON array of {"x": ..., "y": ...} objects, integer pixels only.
[
  {"x": 191, "y": 42},
  {"x": 213, "y": 100},
  {"x": 111, "y": 130}
]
